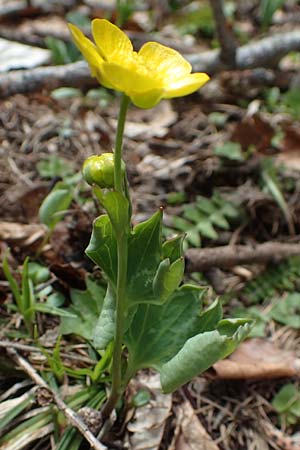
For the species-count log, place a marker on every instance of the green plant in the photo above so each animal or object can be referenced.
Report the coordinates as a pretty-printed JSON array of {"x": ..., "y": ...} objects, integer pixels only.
[
  {"x": 287, "y": 404},
  {"x": 270, "y": 180},
  {"x": 147, "y": 309},
  {"x": 267, "y": 10},
  {"x": 260, "y": 319},
  {"x": 55, "y": 205},
  {"x": 230, "y": 150},
  {"x": 274, "y": 280},
  {"x": 54, "y": 166},
  {"x": 200, "y": 219},
  {"x": 20, "y": 431},
  {"x": 291, "y": 102},
  {"x": 62, "y": 52},
  {"x": 287, "y": 310},
  {"x": 125, "y": 9},
  {"x": 84, "y": 310},
  {"x": 196, "y": 18},
  {"x": 26, "y": 297},
  {"x": 283, "y": 102}
]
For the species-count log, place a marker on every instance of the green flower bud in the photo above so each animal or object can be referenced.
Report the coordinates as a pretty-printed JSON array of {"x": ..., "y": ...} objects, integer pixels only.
[{"x": 100, "y": 170}]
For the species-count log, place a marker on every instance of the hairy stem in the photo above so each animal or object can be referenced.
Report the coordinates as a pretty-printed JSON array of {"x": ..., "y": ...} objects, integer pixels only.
[
  {"x": 122, "y": 253},
  {"x": 118, "y": 179},
  {"x": 117, "y": 387}
]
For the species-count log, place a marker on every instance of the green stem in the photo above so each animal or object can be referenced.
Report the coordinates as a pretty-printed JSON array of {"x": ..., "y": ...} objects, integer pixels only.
[
  {"x": 118, "y": 178},
  {"x": 117, "y": 388},
  {"x": 130, "y": 372},
  {"x": 122, "y": 253}
]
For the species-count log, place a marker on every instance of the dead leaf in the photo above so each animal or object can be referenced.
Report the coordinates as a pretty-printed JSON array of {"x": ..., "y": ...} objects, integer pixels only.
[
  {"x": 190, "y": 433},
  {"x": 147, "y": 426},
  {"x": 69, "y": 275},
  {"x": 25, "y": 234},
  {"x": 258, "y": 359},
  {"x": 162, "y": 118},
  {"x": 290, "y": 145},
  {"x": 177, "y": 170},
  {"x": 253, "y": 130}
]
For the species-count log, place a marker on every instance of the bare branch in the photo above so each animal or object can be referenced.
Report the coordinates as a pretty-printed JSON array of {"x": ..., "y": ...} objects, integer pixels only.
[
  {"x": 263, "y": 53},
  {"x": 224, "y": 34},
  {"x": 50, "y": 77},
  {"x": 266, "y": 52},
  {"x": 71, "y": 416},
  {"x": 198, "y": 260}
]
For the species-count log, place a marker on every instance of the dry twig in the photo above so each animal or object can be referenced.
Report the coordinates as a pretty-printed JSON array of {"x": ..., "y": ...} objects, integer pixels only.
[
  {"x": 70, "y": 415},
  {"x": 224, "y": 33},
  {"x": 50, "y": 77},
  {"x": 263, "y": 53},
  {"x": 231, "y": 255},
  {"x": 266, "y": 52}
]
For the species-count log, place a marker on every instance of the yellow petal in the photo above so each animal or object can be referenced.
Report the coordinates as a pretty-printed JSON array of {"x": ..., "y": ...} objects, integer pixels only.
[
  {"x": 112, "y": 44},
  {"x": 146, "y": 99},
  {"x": 131, "y": 78},
  {"x": 164, "y": 62},
  {"x": 87, "y": 48},
  {"x": 143, "y": 90},
  {"x": 186, "y": 85}
]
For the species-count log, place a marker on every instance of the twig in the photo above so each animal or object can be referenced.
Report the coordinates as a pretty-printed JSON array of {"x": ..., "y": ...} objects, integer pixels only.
[
  {"x": 11, "y": 10},
  {"x": 284, "y": 441},
  {"x": 263, "y": 53},
  {"x": 49, "y": 77},
  {"x": 224, "y": 34},
  {"x": 231, "y": 255},
  {"x": 31, "y": 349},
  {"x": 71, "y": 416}
]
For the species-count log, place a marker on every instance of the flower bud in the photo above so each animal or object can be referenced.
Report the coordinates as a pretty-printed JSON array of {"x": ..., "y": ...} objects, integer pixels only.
[{"x": 100, "y": 170}]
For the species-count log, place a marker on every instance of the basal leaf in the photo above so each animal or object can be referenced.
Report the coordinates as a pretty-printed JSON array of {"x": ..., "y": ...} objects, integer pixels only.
[
  {"x": 102, "y": 248},
  {"x": 157, "y": 332},
  {"x": 198, "y": 354},
  {"x": 178, "y": 340},
  {"x": 54, "y": 206},
  {"x": 48, "y": 309},
  {"x": 105, "y": 326}
]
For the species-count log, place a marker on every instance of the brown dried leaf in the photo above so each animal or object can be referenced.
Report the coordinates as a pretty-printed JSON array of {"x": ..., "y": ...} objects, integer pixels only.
[
  {"x": 290, "y": 146},
  {"x": 147, "y": 426},
  {"x": 253, "y": 130},
  {"x": 24, "y": 234},
  {"x": 190, "y": 433},
  {"x": 258, "y": 359},
  {"x": 158, "y": 126},
  {"x": 69, "y": 275}
]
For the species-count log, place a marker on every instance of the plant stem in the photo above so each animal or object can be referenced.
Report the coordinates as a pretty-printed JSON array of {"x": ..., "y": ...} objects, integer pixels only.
[
  {"x": 117, "y": 388},
  {"x": 118, "y": 179},
  {"x": 122, "y": 253}
]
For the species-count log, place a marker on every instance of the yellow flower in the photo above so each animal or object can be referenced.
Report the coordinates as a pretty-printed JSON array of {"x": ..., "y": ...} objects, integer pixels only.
[{"x": 154, "y": 73}]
